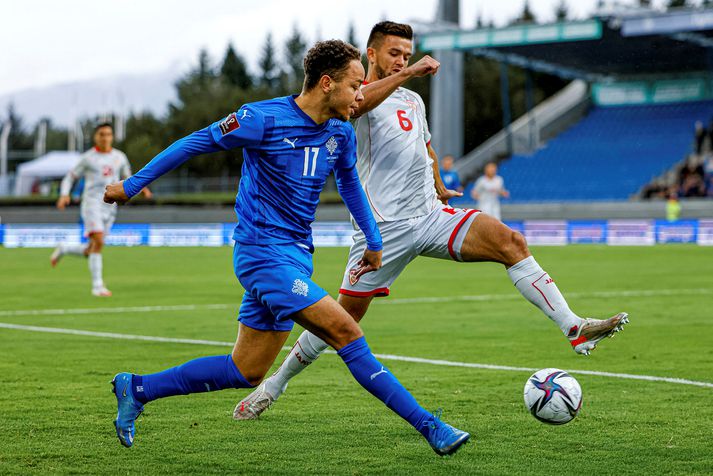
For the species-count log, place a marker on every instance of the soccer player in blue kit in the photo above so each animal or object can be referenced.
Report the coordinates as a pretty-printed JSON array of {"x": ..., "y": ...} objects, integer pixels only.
[{"x": 290, "y": 145}]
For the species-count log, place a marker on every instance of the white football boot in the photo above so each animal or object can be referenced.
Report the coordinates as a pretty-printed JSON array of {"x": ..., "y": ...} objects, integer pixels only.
[
  {"x": 584, "y": 338},
  {"x": 101, "y": 292},
  {"x": 56, "y": 256},
  {"x": 252, "y": 406}
]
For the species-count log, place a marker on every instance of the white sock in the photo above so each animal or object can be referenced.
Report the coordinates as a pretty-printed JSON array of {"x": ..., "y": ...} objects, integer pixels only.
[
  {"x": 77, "y": 250},
  {"x": 538, "y": 288},
  {"x": 305, "y": 351},
  {"x": 95, "y": 267}
]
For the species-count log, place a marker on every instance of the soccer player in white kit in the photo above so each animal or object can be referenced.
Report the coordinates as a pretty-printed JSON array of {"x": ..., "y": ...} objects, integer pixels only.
[
  {"x": 99, "y": 167},
  {"x": 398, "y": 169},
  {"x": 488, "y": 189}
]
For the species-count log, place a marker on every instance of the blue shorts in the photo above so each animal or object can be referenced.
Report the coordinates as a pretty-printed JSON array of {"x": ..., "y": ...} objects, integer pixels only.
[{"x": 278, "y": 283}]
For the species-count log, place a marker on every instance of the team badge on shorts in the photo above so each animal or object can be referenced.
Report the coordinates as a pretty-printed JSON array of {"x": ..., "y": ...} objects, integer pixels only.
[
  {"x": 353, "y": 276},
  {"x": 300, "y": 287}
]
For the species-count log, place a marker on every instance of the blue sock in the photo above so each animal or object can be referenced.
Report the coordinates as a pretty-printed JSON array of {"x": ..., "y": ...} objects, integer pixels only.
[
  {"x": 206, "y": 374},
  {"x": 381, "y": 383}
]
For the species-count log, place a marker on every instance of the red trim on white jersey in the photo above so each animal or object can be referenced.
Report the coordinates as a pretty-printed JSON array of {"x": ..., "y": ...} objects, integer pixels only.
[
  {"x": 455, "y": 233},
  {"x": 101, "y": 151},
  {"x": 378, "y": 292}
]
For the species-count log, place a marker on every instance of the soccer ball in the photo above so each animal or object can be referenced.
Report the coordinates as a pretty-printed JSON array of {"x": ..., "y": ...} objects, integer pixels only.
[{"x": 553, "y": 396}]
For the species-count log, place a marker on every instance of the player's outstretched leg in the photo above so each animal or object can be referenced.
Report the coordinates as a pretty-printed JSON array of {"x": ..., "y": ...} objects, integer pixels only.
[
  {"x": 305, "y": 351},
  {"x": 489, "y": 239},
  {"x": 252, "y": 356},
  {"x": 64, "y": 249},
  {"x": 336, "y": 327}
]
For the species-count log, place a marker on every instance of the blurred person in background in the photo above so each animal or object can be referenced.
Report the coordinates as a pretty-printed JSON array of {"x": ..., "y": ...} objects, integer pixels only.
[
  {"x": 488, "y": 189},
  {"x": 449, "y": 176},
  {"x": 700, "y": 136},
  {"x": 708, "y": 175},
  {"x": 691, "y": 183},
  {"x": 98, "y": 167},
  {"x": 673, "y": 206}
]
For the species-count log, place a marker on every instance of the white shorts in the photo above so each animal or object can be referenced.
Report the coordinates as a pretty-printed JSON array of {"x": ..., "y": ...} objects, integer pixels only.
[
  {"x": 98, "y": 217},
  {"x": 439, "y": 234}
]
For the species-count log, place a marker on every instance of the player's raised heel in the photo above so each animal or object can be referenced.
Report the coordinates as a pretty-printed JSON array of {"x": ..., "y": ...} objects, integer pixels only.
[
  {"x": 443, "y": 438},
  {"x": 128, "y": 409},
  {"x": 56, "y": 256},
  {"x": 584, "y": 338},
  {"x": 252, "y": 406}
]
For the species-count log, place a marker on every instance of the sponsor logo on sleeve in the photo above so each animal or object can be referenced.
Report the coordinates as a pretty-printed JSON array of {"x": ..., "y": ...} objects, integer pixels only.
[{"x": 229, "y": 124}]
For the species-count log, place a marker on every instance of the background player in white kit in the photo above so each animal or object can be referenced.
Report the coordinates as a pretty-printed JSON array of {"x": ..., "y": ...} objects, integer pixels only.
[
  {"x": 99, "y": 166},
  {"x": 488, "y": 189},
  {"x": 398, "y": 169}
]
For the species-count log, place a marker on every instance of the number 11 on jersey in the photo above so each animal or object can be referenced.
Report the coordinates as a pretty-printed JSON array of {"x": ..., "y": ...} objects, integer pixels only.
[{"x": 315, "y": 153}]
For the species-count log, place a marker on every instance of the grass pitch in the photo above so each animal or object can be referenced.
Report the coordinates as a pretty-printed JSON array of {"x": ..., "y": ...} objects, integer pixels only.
[{"x": 56, "y": 409}]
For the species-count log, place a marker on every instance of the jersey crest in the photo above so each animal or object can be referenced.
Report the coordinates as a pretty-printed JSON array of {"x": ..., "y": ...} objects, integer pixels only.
[{"x": 332, "y": 145}]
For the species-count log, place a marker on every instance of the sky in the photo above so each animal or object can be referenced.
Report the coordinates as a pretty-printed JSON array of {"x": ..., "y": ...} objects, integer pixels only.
[{"x": 49, "y": 42}]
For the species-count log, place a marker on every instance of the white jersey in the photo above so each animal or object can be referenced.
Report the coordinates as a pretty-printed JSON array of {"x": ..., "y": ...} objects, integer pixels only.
[
  {"x": 488, "y": 190},
  {"x": 99, "y": 169},
  {"x": 392, "y": 158}
]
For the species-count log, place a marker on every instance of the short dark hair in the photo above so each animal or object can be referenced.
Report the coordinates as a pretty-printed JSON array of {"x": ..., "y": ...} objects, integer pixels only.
[
  {"x": 386, "y": 28},
  {"x": 104, "y": 124},
  {"x": 329, "y": 57}
]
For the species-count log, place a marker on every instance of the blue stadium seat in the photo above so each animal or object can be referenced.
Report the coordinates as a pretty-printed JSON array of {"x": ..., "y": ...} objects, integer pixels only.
[{"x": 608, "y": 155}]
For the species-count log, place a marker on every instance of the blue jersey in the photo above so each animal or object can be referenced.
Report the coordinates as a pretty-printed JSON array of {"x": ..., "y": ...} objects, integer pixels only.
[
  {"x": 450, "y": 179},
  {"x": 287, "y": 159}
]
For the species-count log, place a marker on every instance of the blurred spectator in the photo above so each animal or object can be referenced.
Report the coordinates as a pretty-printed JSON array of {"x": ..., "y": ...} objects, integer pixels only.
[
  {"x": 448, "y": 175},
  {"x": 488, "y": 189},
  {"x": 700, "y": 135},
  {"x": 657, "y": 189},
  {"x": 673, "y": 206},
  {"x": 708, "y": 175},
  {"x": 691, "y": 183}
]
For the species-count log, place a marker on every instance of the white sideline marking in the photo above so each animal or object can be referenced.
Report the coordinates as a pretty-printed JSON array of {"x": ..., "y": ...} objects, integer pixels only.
[
  {"x": 114, "y": 310},
  {"x": 389, "y": 301},
  {"x": 400, "y": 358}
]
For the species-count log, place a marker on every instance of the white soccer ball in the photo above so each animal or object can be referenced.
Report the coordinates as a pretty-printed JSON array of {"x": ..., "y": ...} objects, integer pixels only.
[{"x": 553, "y": 396}]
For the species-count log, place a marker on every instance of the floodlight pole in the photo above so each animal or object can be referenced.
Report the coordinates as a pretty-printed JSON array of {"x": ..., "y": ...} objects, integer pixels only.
[
  {"x": 529, "y": 104},
  {"x": 4, "y": 138},
  {"x": 41, "y": 138},
  {"x": 446, "y": 104},
  {"x": 505, "y": 98}
]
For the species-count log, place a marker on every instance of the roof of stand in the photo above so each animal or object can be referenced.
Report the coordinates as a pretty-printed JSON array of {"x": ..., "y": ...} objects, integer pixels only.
[{"x": 603, "y": 48}]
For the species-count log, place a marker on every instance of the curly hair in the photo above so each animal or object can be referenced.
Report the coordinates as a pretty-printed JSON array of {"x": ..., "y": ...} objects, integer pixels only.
[
  {"x": 385, "y": 28},
  {"x": 329, "y": 58}
]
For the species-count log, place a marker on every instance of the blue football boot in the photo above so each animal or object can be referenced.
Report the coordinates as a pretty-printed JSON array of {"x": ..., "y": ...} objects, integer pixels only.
[
  {"x": 443, "y": 438},
  {"x": 129, "y": 408}
]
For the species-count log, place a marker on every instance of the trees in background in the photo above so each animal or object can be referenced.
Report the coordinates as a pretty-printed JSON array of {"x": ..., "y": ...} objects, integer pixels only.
[{"x": 214, "y": 89}]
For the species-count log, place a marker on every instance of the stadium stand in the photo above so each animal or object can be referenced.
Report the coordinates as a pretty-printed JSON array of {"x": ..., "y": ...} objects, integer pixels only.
[{"x": 593, "y": 160}]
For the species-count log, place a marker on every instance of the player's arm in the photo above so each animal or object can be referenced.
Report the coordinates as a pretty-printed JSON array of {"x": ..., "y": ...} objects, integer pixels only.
[
  {"x": 504, "y": 192},
  {"x": 125, "y": 173},
  {"x": 444, "y": 193},
  {"x": 375, "y": 93},
  {"x": 65, "y": 187},
  {"x": 352, "y": 193},
  {"x": 475, "y": 191},
  {"x": 222, "y": 135}
]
